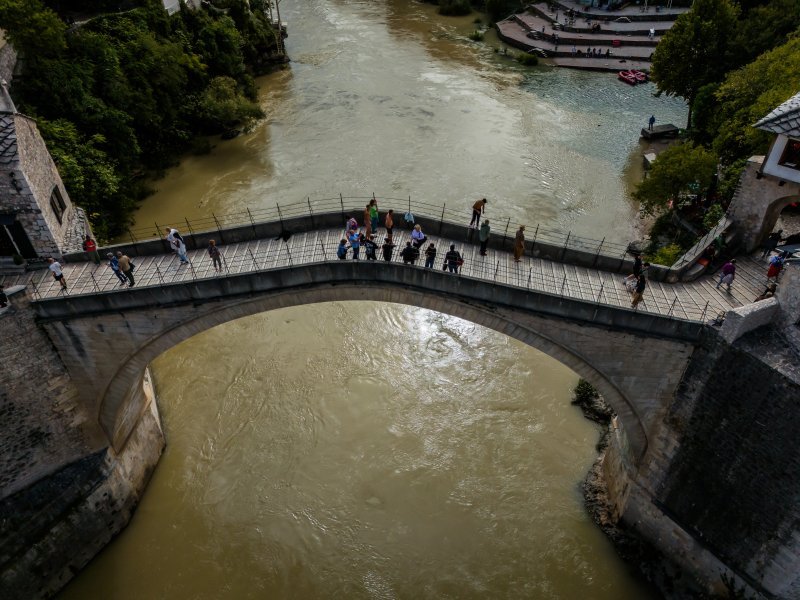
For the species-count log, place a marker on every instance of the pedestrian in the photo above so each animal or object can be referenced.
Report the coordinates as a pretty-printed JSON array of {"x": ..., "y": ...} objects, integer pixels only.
[
  {"x": 341, "y": 251},
  {"x": 483, "y": 235},
  {"x": 417, "y": 236},
  {"x": 114, "y": 264},
  {"x": 367, "y": 220},
  {"x": 388, "y": 222},
  {"x": 3, "y": 298},
  {"x": 388, "y": 248},
  {"x": 772, "y": 241},
  {"x": 453, "y": 260},
  {"x": 213, "y": 252},
  {"x": 409, "y": 254},
  {"x": 126, "y": 266},
  {"x": 351, "y": 224},
  {"x": 373, "y": 215},
  {"x": 408, "y": 218},
  {"x": 519, "y": 244},
  {"x": 430, "y": 256},
  {"x": 767, "y": 293},
  {"x": 58, "y": 274},
  {"x": 355, "y": 243},
  {"x": 650, "y": 122},
  {"x": 776, "y": 265},
  {"x": 477, "y": 210},
  {"x": 638, "y": 290},
  {"x": 370, "y": 247},
  {"x": 637, "y": 264},
  {"x": 176, "y": 242},
  {"x": 90, "y": 247},
  {"x": 728, "y": 274}
]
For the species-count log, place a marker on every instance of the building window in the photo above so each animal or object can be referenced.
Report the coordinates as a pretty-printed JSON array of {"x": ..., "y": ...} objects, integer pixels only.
[
  {"x": 57, "y": 204},
  {"x": 791, "y": 155}
]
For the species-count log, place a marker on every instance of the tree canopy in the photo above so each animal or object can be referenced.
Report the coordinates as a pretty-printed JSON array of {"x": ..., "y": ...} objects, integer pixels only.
[{"x": 125, "y": 93}]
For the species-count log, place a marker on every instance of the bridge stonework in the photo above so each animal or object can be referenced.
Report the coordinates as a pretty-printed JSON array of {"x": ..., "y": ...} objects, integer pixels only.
[{"x": 674, "y": 465}]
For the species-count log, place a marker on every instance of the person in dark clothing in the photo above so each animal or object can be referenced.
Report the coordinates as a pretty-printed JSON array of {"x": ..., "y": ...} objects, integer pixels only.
[
  {"x": 370, "y": 248},
  {"x": 430, "y": 256},
  {"x": 483, "y": 235},
  {"x": 771, "y": 242},
  {"x": 638, "y": 291},
  {"x": 453, "y": 260},
  {"x": 388, "y": 249},
  {"x": 3, "y": 298},
  {"x": 637, "y": 265},
  {"x": 409, "y": 254}
]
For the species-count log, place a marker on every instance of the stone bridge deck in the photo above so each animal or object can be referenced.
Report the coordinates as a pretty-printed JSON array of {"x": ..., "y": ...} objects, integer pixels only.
[{"x": 696, "y": 301}]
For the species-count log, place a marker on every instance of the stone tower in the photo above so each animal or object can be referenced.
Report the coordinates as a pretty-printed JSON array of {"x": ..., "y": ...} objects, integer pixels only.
[{"x": 37, "y": 218}]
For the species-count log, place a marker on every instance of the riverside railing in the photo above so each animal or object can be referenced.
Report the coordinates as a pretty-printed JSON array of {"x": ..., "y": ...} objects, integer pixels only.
[
  {"x": 354, "y": 206},
  {"x": 533, "y": 274}
]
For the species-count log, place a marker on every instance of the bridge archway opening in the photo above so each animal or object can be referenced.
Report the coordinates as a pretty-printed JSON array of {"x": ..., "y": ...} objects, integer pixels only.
[
  {"x": 783, "y": 214},
  {"x": 548, "y": 337}
]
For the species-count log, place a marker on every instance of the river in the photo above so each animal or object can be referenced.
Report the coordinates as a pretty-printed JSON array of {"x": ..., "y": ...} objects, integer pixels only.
[{"x": 366, "y": 450}]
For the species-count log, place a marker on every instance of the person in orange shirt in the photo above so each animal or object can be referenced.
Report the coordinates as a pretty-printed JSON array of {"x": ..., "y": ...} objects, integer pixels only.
[{"x": 477, "y": 210}]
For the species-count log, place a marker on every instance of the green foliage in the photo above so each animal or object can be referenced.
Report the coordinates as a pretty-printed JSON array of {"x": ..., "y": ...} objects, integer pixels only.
[
  {"x": 584, "y": 392},
  {"x": 126, "y": 93},
  {"x": 729, "y": 180},
  {"x": 697, "y": 50},
  {"x": 749, "y": 94},
  {"x": 527, "y": 59},
  {"x": 500, "y": 9},
  {"x": 666, "y": 255},
  {"x": 677, "y": 171},
  {"x": 766, "y": 26},
  {"x": 476, "y": 36},
  {"x": 712, "y": 216}
]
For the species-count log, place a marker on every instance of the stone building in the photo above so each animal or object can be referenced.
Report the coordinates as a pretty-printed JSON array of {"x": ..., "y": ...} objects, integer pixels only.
[{"x": 37, "y": 218}]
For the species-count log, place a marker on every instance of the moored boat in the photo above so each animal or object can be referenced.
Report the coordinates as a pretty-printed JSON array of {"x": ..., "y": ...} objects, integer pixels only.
[
  {"x": 641, "y": 76},
  {"x": 628, "y": 77}
]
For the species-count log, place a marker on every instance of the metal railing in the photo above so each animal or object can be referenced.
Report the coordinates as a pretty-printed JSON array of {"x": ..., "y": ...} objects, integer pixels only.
[
  {"x": 354, "y": 206},
  {"x": 595, "y": 287}
]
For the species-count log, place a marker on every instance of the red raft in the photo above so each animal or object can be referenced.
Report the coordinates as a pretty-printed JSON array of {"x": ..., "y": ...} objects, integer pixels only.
[
  {"x": 641, "y": 76},
  {"x": 628, "y": 77}
]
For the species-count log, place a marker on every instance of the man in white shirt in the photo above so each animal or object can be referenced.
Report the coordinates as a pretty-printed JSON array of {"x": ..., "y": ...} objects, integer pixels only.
[
  {"x": 176, "y": 242},
  {"x": 58, "y": 274}
]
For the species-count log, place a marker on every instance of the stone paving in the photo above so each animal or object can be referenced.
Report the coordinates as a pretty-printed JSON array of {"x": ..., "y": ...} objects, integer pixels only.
[{"x": 694, "y": 301}]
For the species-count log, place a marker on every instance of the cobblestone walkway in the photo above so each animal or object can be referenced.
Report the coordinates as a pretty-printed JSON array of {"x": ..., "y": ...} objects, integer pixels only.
[{"x": 695, "y": 301}]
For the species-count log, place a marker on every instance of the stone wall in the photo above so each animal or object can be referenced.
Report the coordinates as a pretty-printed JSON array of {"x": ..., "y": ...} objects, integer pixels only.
[
  {"x": 43, "y": 424},
  {"x": 721, "y": 492}
]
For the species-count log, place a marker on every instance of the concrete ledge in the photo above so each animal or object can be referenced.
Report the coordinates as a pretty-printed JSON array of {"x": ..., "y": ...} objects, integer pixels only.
[{"x": 739, "y": 321}]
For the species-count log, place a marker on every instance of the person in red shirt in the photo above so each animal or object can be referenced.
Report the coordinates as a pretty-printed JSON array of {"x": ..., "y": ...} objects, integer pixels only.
[{"x": 90, "y": 247}]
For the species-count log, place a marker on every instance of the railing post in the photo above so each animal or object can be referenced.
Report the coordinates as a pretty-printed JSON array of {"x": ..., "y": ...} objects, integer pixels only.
[
  {"x": 563, "y": 283},
  {"x": 310, "y": 212},
  {"x": 703, "y": 316},
  {"x": 441, "y": 219},
  {"x": 94, "y": 281},
  {"x": 288, "y": 253},
  {"x": 189, "y": 229},
  {"x": 341, "y": 203},
  {"x": 497, "y": 268},
  {"x": 535, "y": 234},
  {"x": 160, "y": 278},
  {"x": 253, "y": 258},
  {"x": 219, "y": 229},
  {"x": 597, "y": 255},
  {"x": 280, "y": 216},
  {"x": 505, "y": 235},
  {"x": 600, "y": 293},
  {"x": 530, "y": 272},
  {"x": 564, "y": 249},
  {"x": 35, "y": 289},
  {"x": 324, "y": 253},
  {"x": 669, "y": 313},
  {"x": 191, "y": 268},
  {"x": 225, "y": 262},
  {"x": 252, "y": 222}
]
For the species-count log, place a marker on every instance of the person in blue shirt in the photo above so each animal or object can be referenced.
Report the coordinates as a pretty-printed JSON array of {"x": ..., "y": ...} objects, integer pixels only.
[
  {"x": 355, "y": 244},
  {"x": 114, "y": 264},
  {"x": 341, "y": 251}
]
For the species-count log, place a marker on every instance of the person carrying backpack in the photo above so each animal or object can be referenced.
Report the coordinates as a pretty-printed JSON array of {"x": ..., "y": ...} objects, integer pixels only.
[{"x": 453, "y": 260}]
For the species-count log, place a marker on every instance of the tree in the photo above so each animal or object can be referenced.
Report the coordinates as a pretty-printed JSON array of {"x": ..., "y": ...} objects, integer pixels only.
[
  {"x": 33, "y": 29},
  {"x": 697, "y": 50},
  {"x": 678, "y": 171},
  {"x": 750, "y": 93}
]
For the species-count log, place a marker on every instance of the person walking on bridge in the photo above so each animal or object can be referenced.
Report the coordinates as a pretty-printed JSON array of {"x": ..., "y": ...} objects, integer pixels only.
[
  {"x": 483, "y": 235},
  {"x": 453, "y": 260},
  {"x": 389, "y": 223},
  {"x": 114, "y": 264},
  {"x": 176, "y": 242},
  {"x": 638, "y": 290},
  {"x": 388, "y": 248},
  {"x": 728, "y": 274},
  {"x": 216, "y": 259},
  {"x": 58, "y": 274},
  {"x": 430, "y": 256},
  {"x": 519, "y": 243},
  {"x": 477, "y": 210},
  {"x": 126, "y": 266}
]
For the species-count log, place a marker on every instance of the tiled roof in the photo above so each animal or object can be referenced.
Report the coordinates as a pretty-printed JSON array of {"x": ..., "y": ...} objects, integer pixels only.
[
  {"x": 8, "y": 139},
  {"x": 785, "y": 119}
]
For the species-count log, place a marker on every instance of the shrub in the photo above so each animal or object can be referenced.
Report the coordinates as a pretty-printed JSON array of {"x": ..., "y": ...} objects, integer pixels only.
[
  {"x": 584, "y": 392},
  {"x": 712, "y": 216},
  {"x": 476, "y": 36},
  {"x": 454, "y": 7},
  {"x": 528, "y": 60},
  {"x": 666, "y": 255}
]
